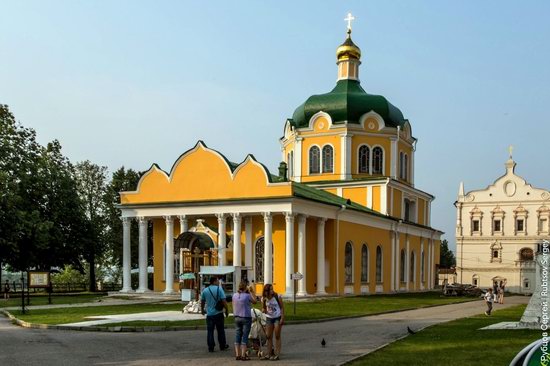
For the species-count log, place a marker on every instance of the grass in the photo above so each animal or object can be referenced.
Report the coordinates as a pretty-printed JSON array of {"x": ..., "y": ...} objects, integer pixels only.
[
  {"x": 305, "y": 310},
  {"x": 56, "y": 299},
  {"x": 459, "y": 342}
]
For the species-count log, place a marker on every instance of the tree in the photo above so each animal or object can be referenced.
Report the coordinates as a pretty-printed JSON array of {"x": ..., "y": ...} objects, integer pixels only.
[
  {"x": 91, "y": 185},
  {"x": 446, "y": 258}
]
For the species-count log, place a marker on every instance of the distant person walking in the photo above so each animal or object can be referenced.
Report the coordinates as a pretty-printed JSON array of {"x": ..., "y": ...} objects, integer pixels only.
[
  {"x": 214, "y": 298},
  {"x": 7, "y": 290},
  {"x": 275, "y": 314},
  {"x": 495, "y": 291},
  {"x": 242, "y": 310},
  {"x": 489, "y": 300},
  {"x": 501, "y": 288}
]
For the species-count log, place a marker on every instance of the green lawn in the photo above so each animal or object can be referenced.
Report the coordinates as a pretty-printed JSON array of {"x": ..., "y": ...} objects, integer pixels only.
[
  {"x": 306, "y": 310},
  {"x": 459, "y": 343},
  {"x": 56, "y": 299}
]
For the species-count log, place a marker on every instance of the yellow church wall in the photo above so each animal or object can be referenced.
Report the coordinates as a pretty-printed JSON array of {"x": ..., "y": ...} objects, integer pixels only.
[
  {"x": 332, "y": 190},
  {"x": 402, "y": 147},
  {"x": 330, "y": 255},
  {"x": 397, "y": 197},
  {"x": 311, "y": 257},
  {"x": 320, "y": 141},
  {"x": 358, "y": 195},
  {"x": 371, "y": 141},
  {"x": 421, "y": 210},
  {"x": 376, "y": 199},
  {"x": 203, "y": 175},
  {"x": 359, "y": 235}
]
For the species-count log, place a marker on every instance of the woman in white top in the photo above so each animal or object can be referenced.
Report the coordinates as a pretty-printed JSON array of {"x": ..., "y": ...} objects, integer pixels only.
[{"x": 275, "y": 314}]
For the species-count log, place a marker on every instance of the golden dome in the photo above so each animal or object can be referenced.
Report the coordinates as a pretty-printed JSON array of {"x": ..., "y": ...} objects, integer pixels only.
[{"x": 348, "y": 50}]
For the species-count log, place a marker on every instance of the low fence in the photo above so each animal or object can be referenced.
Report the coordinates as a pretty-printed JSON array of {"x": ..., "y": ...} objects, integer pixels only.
[{"x": 16, "y": 286}]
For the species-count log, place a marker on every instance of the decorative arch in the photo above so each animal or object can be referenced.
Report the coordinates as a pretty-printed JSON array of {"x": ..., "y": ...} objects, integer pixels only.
[
  {"x": 496, "y": 252},
  {"x": 259, "y": 258},
  {"x": 475, "y": 280},
  {"x": 327, "y": 159},
  {"x": 526, "y": 254},
  {"x": 316, "y": 116},
  {"x": 375, "y": 116}
]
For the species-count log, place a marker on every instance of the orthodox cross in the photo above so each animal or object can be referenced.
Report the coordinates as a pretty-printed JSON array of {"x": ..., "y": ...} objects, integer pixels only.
[
  {"x": 349, "y": 19},
  {"x": 510, "y": 149}
]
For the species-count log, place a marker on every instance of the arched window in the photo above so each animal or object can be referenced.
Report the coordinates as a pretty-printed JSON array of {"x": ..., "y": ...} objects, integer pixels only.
[
  {"x": 405, "y": 167},
  {"x": 475, "y": 280},
  {"x": 526, "y": 254},
  {"x": 377, "y": 160},
  {"x": 402, "y": 266},
  {"x": 412, "y": 269},
  {"x": 328, "y": 159},
  {"x": 378, "y": 264},
  {"x": 259, "y": 260},
  {"x": 364, "y": 155},
  {"x": 291, "y": 165},
  {"x": 314, "y": 160},
  {"x": 348, "y": 263},
  {"x": 401, "y": 155},
  {"x": 364, "y": 263}
]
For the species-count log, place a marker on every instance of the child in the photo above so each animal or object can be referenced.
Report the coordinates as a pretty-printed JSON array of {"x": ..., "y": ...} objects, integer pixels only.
[{"x": 489, "y": 301}]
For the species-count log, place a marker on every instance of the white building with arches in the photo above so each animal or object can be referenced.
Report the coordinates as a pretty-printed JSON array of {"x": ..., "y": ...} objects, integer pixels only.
[{"x": 498, "y": 230}]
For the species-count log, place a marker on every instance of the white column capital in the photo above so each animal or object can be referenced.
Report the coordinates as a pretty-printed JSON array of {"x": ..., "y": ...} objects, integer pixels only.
[
  {"x": 289, "y": 217},
  {"x": 142, "y": 220},
  {"x": 302, "y": 219},
  {"x": 248, "y": 220},
  {"x": 126, "y": 220},
  {"x": 168, "y": 219},
  {"x": 182, "y": 217},
  {"x": 237, "y": 217},
  {"x": 221, "y": 218},
  {"x": 268, "y": 217},
  {"x": 321, "y": 221}
]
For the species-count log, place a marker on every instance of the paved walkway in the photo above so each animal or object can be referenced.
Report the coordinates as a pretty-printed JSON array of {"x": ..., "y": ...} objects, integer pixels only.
[
  {"x": 346, "y": 339},
  {"x": 105, "y": 301},
  {"x": 150, "y": 316}
]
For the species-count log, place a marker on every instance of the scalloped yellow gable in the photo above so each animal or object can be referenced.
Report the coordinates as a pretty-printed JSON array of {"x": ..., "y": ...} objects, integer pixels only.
[{"x": 203, "y": 174}]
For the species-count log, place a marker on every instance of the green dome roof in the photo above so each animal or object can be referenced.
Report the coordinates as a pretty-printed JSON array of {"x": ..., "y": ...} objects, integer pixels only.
[{"x": 347, "y": 102}]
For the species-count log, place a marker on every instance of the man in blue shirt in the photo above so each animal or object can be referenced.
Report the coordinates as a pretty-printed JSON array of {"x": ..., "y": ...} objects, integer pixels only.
[{"x": 214, "y": 318}]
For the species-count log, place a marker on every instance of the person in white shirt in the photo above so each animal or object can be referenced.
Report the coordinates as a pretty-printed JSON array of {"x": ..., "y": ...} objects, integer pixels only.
[{"x": 489, "y": 301}]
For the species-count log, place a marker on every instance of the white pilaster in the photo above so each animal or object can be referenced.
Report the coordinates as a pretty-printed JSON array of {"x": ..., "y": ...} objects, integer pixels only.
[
  {"x": 429, "y": 264},
  {"x": 289, "y": 230},
  {"x": 298, "y": 160},
  {"x": 302, "y": 255},
  {"x": 184, "y": 224},
  {"x": 321, "y": 256},
  {"x": 369, "y": 197},
  {"x": 422, "y": 264},
  {"x": 126, "y": 255},
  {"x": 237, "y": 225},
  {"x": 432, "y": 268},
  {"x": 407, "y": 266},
  {"x": 248, "y": 242},
  {"x": 268, "y": 246},
  {"x": 169, "y": 276},
  {"x": 392, "y": 233},
  {"x": 345, "y": 156},
  {"x": 411, "y": 165},
  {"x": 396, "y": 263},
  {"x": 393, "y": 165},
  {"x": 384, "y": 199},
  {"x": 142, "y": 255},
  {"x": 222, "y": 240}
]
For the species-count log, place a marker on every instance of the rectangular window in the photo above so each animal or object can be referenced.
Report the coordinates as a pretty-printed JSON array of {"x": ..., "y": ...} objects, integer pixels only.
[
  {"x": 543, "y": 224},
  {"x": 496, "y": 226},
  {"x": 519, "y": 225},
  {"x": 475, "y": 226}
]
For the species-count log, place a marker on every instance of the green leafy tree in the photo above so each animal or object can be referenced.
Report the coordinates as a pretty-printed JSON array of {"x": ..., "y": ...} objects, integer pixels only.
[
  {"x": 447, "y": 258},
  {"x": 91, "y": 185}
]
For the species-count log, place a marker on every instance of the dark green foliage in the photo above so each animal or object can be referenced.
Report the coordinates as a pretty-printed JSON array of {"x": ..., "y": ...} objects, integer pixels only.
[{"x": 446, "y": 257}]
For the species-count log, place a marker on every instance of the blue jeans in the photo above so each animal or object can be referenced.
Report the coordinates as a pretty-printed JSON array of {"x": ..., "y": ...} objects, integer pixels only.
[
  {"x": 215, "y": 321},
  {"x": 242, "y": 330}
]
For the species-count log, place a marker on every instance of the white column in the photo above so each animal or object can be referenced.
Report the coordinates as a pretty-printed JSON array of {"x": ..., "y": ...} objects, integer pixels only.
[
  {"x": 393, "y": 166},
  {"x": 268, "y": 246},
  {"x": 302, "y": 255},
  {"x": 411, "y": 165},
  {"x": 429, "y": 264},
  {"x": 392, "y": 233},
  {"x": 422, "y": 264},
  {"x": 345, "y": 156},
  {"x": 384, "y": 198},
  {"x": 321, "y": 256},
  {"x": 289, "y": 230},
  {"x": 237, "y": 224},
  {"x": 248, "y": 241},
  {"x": 169, "y": 274},
  {"x": 184, "y": 224},
  {"x": 298, "y": 160},
  {"x": 432, "y": 256},
  {"x": 407, "y": 265},
  {"x": 126, "y": 255},
  {"x": 397, "y": 258},
  {"x": 222, "y": 250},
  {"x": 142, "y": 255}
]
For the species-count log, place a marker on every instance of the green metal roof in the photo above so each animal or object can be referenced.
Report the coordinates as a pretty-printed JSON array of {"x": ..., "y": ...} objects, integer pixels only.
[{"x": 348, "y": 101}]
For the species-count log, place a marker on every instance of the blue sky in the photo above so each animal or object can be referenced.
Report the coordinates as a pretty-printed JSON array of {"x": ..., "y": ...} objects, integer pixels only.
[{"x": 134, "y": 82}]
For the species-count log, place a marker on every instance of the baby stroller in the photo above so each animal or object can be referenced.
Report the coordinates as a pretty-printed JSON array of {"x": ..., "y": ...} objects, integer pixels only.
[{"x": 257, "y": 338}]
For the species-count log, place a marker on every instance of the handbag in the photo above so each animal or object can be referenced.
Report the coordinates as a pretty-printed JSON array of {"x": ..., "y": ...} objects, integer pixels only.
[{"x": 219, "y": 303}]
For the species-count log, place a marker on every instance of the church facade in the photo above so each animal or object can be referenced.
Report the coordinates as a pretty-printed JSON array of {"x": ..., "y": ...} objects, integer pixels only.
[
  {"x": 498, "y": 231},
  {"x": 343, "y": 211}
]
